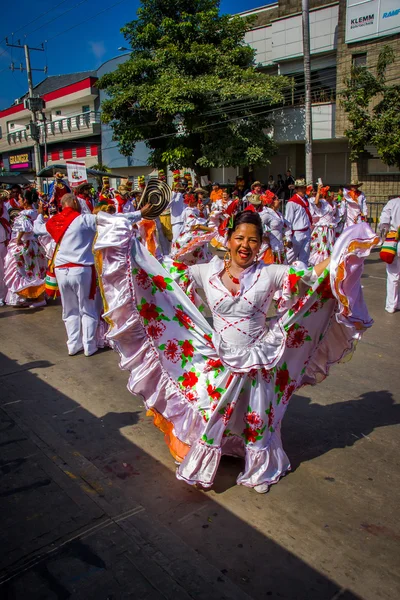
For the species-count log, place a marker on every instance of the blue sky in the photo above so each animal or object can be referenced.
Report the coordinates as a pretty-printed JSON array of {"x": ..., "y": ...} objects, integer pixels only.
[{"x": 91, "y": 40}]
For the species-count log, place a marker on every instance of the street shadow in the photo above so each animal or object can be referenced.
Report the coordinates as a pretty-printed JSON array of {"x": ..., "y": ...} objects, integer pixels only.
[
  {"x": 311, "y": 430},
  {"x": 41, "y": 508}
]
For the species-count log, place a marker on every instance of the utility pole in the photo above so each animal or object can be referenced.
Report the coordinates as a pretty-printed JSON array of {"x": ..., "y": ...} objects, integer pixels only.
[
  {"x": 35, "y": 105},
  {"x": 307, "y": 84}
]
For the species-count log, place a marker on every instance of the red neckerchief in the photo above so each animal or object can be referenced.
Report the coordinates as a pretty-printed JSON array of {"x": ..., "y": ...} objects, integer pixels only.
[
  {"x": 14, "y": 203},
  {"x": 121, "y": 202},
  {"x": 58, "y": 225},
  {"x": 354, "y": 195},
  {"x": 302, "y": 202}
]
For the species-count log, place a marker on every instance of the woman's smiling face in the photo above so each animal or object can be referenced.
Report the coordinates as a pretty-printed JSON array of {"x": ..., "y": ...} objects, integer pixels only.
[{"x": 244, "y": 245}]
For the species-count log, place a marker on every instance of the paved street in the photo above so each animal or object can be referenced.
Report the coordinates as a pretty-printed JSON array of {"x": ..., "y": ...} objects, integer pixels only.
[{"x": 91, "y": 508}]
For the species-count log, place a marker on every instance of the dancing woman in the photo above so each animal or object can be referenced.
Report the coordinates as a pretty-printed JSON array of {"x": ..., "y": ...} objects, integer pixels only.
[
  {"x": 276, "y": 227},
  {"x": 225, "y": 390},
  {"x": 325, "y": 217}
]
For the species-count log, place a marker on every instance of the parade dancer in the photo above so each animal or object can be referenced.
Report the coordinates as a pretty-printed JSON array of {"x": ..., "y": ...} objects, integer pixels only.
[
  {"x": 298, "y": 215},
  {"x": 353, "y": 207},
  {"x": 177, "y": 207},
  {"x": 325, "y": 217},
  {"x": 74, "y": 232},
  {"x": 276, "y": 227},
  {"x": 225, "y": 390},
  {"x": 84, "y": 198},
  {"x": 122, "y": 199},
  {"x": 191, "y": 246},
  {"x": 5, "y": 236},
  {"x": 25, "y": 264},
  {"x": 57, "y": 189},
  {"x": 390, "y": 222}
]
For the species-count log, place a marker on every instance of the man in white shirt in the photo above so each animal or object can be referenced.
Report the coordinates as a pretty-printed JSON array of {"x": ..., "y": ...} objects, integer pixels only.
[
  {"x": 5, "y": 235},
  {"x": 84, "y": 197},
  {"x": 74, "y": 267},
  {"x": 390, "y": 221},
  {"x": 177, "y": 207},
  {"x": 353, "y": 207},
  {"x": 299, "y": 217}
]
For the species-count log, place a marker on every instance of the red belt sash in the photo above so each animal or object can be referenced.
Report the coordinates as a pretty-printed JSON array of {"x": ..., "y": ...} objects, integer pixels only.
[{"x": 92, "y": 292}]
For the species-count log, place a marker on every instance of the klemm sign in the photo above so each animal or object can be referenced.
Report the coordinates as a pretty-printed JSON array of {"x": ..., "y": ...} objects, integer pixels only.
[{"x": 367, "y": 19}]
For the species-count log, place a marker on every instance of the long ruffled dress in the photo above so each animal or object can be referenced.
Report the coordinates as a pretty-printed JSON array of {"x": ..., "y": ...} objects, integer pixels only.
[
  {"x": 225, "y": 390},
  {"x": 191, "y": 246},
  {"x": 323, "y": 237},
  {"x": 25, "y": 264}
]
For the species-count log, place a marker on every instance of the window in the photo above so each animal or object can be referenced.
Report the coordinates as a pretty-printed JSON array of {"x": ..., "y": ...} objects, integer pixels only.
[
  {"x": 377, "y": 167},
  {"x": 86, "y": 108},
  {"x": 11, "y": 125},
  {"x": 323, "y": 87},
  {"x": 359, "y": 60},
  {"x": 57, "y": 113}
]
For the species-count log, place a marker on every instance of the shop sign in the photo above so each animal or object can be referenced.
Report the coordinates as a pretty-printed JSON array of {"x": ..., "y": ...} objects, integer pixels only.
[
  {"x": 368, "y": 19},
  {"x": 19, "y": 161}
]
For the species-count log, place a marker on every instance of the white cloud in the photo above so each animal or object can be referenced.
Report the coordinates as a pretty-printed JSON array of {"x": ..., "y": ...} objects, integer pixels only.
[{"x": 98, "y": 49}]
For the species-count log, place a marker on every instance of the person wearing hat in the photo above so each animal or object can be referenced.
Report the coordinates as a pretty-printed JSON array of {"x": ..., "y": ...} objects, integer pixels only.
[
  {"x": 84, "y": 196},
  {"x": 389, "y": 221},
  {"x": 57, "y": 189},
  {"x": 74, "y": 230},
  {"x": 299, "y": 217},
  {"x": 105, "y": 193},
  {"x": 255, "y": 190},
  {"x": 122, "y": 199},
  {"x": 353, "y": 208},
  {"x": 216, "y": 193},
  {"x": 15, "y": 199}
]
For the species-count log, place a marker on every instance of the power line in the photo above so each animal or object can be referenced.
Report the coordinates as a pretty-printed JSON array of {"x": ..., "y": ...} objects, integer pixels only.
[
  {"x": 30, "y": 23},
  {"x": 57, "y": 17},
  {"x": 85, "y": 21}
]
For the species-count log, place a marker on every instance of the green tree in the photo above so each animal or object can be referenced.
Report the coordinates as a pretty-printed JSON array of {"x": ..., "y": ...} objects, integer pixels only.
[
  {"x": 372, "y": 107},
  {"x": 190, "y": 88}
]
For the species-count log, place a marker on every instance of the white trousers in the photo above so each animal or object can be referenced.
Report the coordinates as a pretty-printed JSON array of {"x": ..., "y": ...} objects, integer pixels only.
[
  {"x": 80, "y": 314},
  {"x": 3, "y": 287},
  {"x": 176, "y": 230},
  {"x": 392, "y": 286},
  {"x": 301, "y": 245}
]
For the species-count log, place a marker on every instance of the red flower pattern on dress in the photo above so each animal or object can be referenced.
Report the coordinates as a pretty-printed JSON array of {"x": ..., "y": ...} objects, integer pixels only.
[
  {"x": 324, "y": 289},
  {"x": 271, "y": 414},
  {"x": 250, "y": 435},
  {"x": 180, "y": 266},
  {"x": 172, "y": 351},
  {"x": 227, "y": 412},
  {"x": 296, "y": 336},
  {"x": 155, "y": 329},
  {"x": 189, "y": 379},
  {"x": 213, "y": 392},
  {"x": 187, "y": 348},
  {"x": 191, "y": 396},
  {"x": 183, "y": 318},
  {"x": 266, "y": 375},
  {"x": 293, "y": 280},
  {"x": 282, "y": 378},
  {"x": 208, "y": 339},
  {"x": 291, "y": 388},
  {"x": 148, "y": 311},
  {"x": 252, "y": 374},
  {"x": 254, "y": 420},
  {"x": 160, "y": 282},
  {"x": 316, "y": 306},
  {"x": 143, "y": 279}
]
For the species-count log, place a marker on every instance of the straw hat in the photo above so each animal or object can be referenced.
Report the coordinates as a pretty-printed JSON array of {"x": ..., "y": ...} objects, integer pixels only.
[
  {"x": 255, "y": 184},
  {"x": 300, "y": 183},
  {"x": 158, "y": 193},
  {"x": 355, "y": 183},
  {"x": 254, "y": 199}
]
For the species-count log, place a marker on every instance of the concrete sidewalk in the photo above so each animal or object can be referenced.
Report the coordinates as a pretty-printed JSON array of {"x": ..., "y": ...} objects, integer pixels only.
[{"x": 91, "y": 508}]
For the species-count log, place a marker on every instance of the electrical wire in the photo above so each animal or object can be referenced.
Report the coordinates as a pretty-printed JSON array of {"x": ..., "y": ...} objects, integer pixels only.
[
  {"x": 85, "y": 21},
  {"x": 57, "y": 17}
]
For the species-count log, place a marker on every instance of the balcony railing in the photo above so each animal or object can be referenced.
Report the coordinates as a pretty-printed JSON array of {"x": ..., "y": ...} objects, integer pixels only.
[{"x": 64, "y": 125}]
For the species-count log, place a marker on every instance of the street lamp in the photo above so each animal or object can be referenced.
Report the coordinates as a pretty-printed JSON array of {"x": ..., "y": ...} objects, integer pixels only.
[{"x": 122, "y": 49}]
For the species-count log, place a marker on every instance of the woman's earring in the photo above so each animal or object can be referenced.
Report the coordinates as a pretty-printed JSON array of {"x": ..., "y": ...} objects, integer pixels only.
[{"x": 227, "y": 257}]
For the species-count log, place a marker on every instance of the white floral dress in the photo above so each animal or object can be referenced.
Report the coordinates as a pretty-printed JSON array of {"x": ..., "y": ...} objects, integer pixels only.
[
  {"x": 191, "y": 246},
  {"x": 25, "y": 264},
  {"x": 277, "y": 229},
  {"x": 225, "y": 389},
  {"x": 325, "y": 222}
]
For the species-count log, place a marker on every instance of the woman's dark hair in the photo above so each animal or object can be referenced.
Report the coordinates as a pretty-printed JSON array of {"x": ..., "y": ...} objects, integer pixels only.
[{"x": 246, "y": 217}]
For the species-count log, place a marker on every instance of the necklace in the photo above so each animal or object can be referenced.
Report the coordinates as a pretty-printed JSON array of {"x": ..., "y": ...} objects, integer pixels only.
[{"x": 235, "y": 280}]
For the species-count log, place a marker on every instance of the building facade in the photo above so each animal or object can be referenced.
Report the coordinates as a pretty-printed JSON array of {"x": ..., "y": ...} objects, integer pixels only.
[
  {"x": 69, "y": 127},
  {"x": 342, "y": 33}
]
